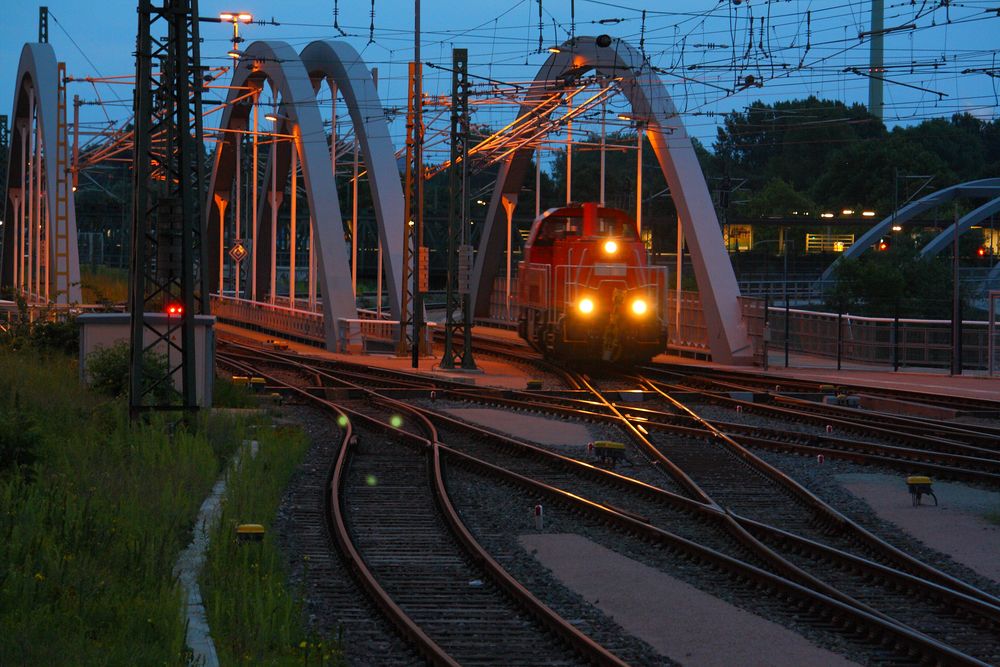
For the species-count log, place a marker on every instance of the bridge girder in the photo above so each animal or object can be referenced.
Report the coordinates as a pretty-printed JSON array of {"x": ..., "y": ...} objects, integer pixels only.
[{"x": 340, "y": 64}]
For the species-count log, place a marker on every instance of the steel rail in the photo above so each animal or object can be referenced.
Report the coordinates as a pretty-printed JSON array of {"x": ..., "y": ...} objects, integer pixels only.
[
  {"x": 849, "y": 425},
  {"x": 973, "y": 605},
  {"x": 980, "y": 607},
  {"x": 813, "y": 386},
  {"x": 824, "y": 509},
  {"x": 836, "y": 612},
  {"x": 426, "y": 646},
  {"x": 580, "y": 642}
]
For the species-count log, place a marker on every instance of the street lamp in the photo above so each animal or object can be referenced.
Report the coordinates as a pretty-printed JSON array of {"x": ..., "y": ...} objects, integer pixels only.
[{"x": 236, "y": 18}]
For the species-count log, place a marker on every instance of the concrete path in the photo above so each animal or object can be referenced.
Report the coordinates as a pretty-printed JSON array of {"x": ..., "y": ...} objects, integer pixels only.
[
  {"x": 542, "y": 430},
  {"x": 957, "y": 526},
  {"x": 675, "y": 618}
]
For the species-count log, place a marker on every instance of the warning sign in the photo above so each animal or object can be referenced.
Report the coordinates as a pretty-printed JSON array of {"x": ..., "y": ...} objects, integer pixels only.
[{"x": 238, "y": 252}]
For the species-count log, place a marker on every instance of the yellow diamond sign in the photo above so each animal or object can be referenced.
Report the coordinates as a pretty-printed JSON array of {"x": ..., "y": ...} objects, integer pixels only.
[{"x": 238, "y": 252}]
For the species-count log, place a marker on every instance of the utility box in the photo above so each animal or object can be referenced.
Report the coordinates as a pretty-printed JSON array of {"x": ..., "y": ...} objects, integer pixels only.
[{"x": 104, "y": 330}]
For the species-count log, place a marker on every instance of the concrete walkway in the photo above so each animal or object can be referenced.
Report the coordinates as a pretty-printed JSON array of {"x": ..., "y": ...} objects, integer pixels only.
[
  {"x": 957, "y": 526},
  {"x": 675, "y": 618}
]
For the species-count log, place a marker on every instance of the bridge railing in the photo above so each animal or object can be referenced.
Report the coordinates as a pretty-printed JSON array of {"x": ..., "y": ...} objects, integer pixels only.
[
  {"x": 884, "y": 341},
  {"x": 278, "y": 319}
]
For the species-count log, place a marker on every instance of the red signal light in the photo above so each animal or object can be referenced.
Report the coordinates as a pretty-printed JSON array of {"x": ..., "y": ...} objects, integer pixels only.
[
  {"x": 882, "y": 245},
  {"x": 981, "y": 251},
  {"x": 175, "y": 309}
]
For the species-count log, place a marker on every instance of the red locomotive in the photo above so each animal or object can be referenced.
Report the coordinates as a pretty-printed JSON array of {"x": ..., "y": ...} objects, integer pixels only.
[{"x": 585, "y": 291}]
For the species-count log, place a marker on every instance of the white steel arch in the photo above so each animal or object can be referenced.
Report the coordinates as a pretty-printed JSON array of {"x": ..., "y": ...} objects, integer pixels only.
[
  {"x": 40, "y": 259},
  {"x": 983, "y": 188},
  {"x": 728, "y": 339},
  {"x": 278, "y": 63},
  {"x": 942, "y": 240},
  {"x": 339, "y": 63}
]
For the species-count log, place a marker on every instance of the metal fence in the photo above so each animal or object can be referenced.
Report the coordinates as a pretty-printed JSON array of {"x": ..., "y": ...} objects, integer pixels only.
[{"x": 842, "y": 338}]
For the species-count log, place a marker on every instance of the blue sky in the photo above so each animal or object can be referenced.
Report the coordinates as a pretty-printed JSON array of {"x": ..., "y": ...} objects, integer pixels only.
[{"x": 794, "y": 47}]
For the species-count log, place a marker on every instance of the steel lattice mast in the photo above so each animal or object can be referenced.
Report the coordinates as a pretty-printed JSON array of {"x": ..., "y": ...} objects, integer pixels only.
[
  {"x": 167, "y": 222},
  {"x": 458, "y": 331}
]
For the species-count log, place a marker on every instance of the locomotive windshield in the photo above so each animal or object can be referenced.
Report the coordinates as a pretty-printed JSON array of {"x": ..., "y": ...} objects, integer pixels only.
[
  {"x": 557, "y": 227},
  {"x": 615, "y": 227}
]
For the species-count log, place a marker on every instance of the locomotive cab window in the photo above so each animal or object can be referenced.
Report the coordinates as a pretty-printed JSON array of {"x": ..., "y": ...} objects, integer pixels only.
[
  {"x": 557, "y": 227},
  {"x": 615, "y": 227}
]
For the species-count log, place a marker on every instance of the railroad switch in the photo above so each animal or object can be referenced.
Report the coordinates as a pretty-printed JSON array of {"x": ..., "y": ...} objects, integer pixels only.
[{"x": 920, "y": 485}]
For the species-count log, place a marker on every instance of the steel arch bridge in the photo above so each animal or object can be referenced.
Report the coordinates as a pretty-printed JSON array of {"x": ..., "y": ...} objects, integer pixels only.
[
  {"x": 40, "y": 261},
  {"x": 296, "y": 80},
  {"x": 651, "y": 104},
  {"x": 300, "y": 140},
  {"x": 986, "y": 188}
]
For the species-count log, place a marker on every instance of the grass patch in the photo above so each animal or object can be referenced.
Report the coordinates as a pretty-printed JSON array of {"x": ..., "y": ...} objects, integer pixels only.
[
  {"x": 228, "y": 394},
  {"x": 93, "y": 512},
  {"x": 103, "y": 284},
  {"x": 253, "y": 615}
]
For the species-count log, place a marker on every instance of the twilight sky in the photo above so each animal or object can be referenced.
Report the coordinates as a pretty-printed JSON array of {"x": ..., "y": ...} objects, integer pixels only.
[{"x": 794, "y": 47}]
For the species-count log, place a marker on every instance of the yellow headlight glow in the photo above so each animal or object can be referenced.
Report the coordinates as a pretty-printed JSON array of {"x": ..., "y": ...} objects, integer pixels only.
[
  {"x": 639, "y": 307},
  {"x": 610, "y": 247},
  {"x": 586, "y": 306}
]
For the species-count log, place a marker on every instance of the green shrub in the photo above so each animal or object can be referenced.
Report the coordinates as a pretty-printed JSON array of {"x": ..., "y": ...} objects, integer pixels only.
[
  {"x": 18, "y": 438},
  {"x": 108, "y": 371}
]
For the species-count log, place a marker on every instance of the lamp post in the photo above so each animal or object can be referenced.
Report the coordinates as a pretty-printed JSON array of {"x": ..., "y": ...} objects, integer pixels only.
[{"x": 236, "y": 18}]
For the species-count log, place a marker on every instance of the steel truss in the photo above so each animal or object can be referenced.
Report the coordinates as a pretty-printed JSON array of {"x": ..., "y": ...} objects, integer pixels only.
[
  {"x": 167, "y": 225},
  {"x": 459, "y": 250}
]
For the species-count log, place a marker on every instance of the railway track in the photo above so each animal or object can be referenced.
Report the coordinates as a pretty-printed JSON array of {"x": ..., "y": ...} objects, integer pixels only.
[
  {"x": 409, "y": 551},
  {"x": 966, "y": 621}
]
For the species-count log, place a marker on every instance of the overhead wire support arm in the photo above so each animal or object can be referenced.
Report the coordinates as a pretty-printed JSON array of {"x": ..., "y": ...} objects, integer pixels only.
[{"x": 857, "y": 71}]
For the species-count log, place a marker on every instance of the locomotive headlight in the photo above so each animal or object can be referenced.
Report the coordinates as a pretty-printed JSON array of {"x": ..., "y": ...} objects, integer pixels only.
[
  {"x": 639, "y": 307},
  {"x": 610, "y": 247},
  {"x": 586, "y": 306}
]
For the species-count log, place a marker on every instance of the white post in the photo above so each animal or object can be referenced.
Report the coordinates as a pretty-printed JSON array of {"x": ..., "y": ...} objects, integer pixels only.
[
  {"x": 221, "y": 203},
  {"x": 37, "y": 221},
  {"x": 378, "y": 239},
  {"x": 15, "y": 223},
  {"x": 569, "y": 152},
  {"x": 274, "y": 219},
  {"x": 25, "y": 197},
  {"x": 538, "y": 180},
  {"x": 604, "y": 111},
  {"x": 638, "y": 178},
  {"x": 508, "y": 207},
  {"x": 253, "y": 204},
  {"x": 238, "y": 209},
  {"x": 312, "y": 265},
  {"x": 680, "y": 264},
  {"x": 354, "y": 220},
  {"x": 293, "y": 232}
]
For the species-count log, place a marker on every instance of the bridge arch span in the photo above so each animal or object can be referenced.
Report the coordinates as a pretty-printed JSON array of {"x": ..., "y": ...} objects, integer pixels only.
[
  {"x": 983, "y": 188},
  {"x": 43, "y": 266},
  {"x": 728, "y": 339},
  {"x": 277, "y": 63},
  {"x": 342, "y": 66}
]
